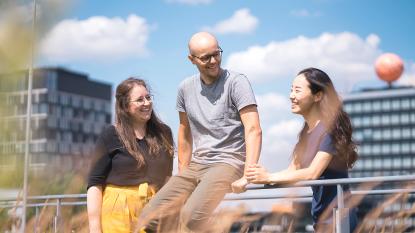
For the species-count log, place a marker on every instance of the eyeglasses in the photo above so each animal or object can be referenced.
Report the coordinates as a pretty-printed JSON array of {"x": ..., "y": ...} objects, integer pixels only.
[
  {"x": 142, "y": 100},
  {"x": 206, "y": 58}
]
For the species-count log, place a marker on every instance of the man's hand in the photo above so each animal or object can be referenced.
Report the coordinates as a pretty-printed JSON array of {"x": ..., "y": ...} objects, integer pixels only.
[{"x": 239, "y": 186}]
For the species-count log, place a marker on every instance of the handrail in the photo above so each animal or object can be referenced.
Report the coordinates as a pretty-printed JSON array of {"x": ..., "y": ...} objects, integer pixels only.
[
  {"x": 342, "y": 181},
  {"x": 340, "y": 213}
]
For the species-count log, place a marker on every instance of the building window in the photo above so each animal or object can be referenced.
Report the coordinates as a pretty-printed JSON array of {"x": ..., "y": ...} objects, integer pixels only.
[
  {"x": 395, "y": 148},
  {"x": 395, "y": 119},
  {"x": 52, "y": 97},
  {"x": 357, "y": 107},
  {"x": 376, "y": 120},
  {"x": 406, "y": 133},
  {"x": 366, "y": 120},
  {"x": 387, "y": 163},
  {"x": 366, "y": 149},
  {"x": 377, "y": 134},
  {"x": 367, "y": 134},
  {"x": 35, "y": 108},
  {"x": 386, "y": 149},
  {"x": 348, "y": 108},
  {"x": 397, "y": 163},
  {"x": 43, "y": 108},
  {"x": 358, "y": 135},
  {"x": 376, "y": 106},
  {"x": 367, "y": 107},
  {"x": 385, "y": 120},
  {"x": 376, "y": 149},
  {"x": 76, "y": 101},
  {"x": 64, "y": 99},
  {"x": 108, "y": 107},
  {"x": 387, "y": 134},
  {"x": 367, "y": 164},
  {"x": 51, "y": 80},
  {"x": 405, "y": 103},
  {"x": 357, "y": 121},
  {"x": 396, "y": 133},
  {"x": 407, "y": 162},
  {"x": 396, "y": 104},
  {"x": 87, "y": 103},
  {"x": 386, "y": 105},
  {"x": 377, "y": 163},
  {"x": 404, "y": 118},
  {"x": 405, "y": 148}
]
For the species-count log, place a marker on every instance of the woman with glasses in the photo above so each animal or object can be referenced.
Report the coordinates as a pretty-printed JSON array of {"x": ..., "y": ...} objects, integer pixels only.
[
  {"x": 325, "y": 149},
  {"x": 133, "y": 159}
]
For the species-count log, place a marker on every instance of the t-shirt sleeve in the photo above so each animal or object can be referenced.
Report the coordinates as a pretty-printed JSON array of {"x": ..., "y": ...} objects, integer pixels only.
[
  {"x": 326, "y": 145},
  {"x": 242, "y": 93},
  {"x": 101, "y": 162},
  {"x": 180, "y": 105}
]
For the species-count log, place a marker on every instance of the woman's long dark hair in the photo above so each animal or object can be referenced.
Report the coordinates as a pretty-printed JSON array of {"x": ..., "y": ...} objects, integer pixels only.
[
  {"x": 334, "y": 117},
  {"x": 158, "y": 135}
]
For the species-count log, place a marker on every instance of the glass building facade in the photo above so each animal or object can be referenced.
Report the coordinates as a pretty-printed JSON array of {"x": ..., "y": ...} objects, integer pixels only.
[
  {"x": 68, "y": 112},
  {"x": 384, "y": 127}
]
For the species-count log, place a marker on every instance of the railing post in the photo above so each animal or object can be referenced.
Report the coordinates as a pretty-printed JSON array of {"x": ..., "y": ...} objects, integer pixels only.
[
  {"x": 36, "y": 220},
  {"x": 56, "y": 221},
  {"x": 342, "y": 214}
]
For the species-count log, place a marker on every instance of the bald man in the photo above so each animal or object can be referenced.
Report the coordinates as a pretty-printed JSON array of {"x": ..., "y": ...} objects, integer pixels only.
[{"x": 219, "y": 136}]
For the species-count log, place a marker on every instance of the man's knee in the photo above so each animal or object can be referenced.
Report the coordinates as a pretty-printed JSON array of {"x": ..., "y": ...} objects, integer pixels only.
[{"x": 193, "y": 220}]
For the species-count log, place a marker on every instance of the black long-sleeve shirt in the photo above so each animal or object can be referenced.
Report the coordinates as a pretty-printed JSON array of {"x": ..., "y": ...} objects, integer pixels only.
[{"x": 113, "y": 164}]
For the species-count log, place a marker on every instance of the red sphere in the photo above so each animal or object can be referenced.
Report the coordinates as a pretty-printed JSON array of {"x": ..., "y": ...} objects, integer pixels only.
[{"x": 389, "y": 67}]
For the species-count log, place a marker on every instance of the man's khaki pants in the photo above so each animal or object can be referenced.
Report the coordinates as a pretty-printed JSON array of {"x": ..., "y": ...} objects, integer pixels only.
[{"x": 190, "y": 197}]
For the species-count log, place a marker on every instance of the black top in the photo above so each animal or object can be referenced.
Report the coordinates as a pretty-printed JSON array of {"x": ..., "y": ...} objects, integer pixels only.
[{"x": 114, "y": 165}]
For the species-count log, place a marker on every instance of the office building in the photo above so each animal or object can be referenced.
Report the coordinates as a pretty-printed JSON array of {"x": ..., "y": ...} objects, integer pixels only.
[
  {"x": 384, "y": 127},
  {"x": 68, "y": 112}
]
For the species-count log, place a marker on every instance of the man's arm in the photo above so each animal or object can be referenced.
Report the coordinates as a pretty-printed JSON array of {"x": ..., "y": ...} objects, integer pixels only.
[
  {"x": 185, "y": 142},
  {"x": 253, "y": 140}
]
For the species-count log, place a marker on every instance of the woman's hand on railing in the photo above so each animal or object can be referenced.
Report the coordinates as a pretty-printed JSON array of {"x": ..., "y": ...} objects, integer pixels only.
[{"x": 257, "y": 174}]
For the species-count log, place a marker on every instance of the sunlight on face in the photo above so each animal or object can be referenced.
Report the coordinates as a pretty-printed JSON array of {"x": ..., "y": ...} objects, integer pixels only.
[
  {"x": 302, "y": 99},
  {"x": 140, "y": 110}
]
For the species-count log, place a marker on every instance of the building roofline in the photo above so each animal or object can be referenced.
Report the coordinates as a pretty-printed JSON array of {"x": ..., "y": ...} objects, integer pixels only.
[{"x": 383, "y": 92}]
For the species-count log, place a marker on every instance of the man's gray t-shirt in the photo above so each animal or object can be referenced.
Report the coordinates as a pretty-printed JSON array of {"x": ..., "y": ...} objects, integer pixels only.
[{"x": 213, "y": 113}]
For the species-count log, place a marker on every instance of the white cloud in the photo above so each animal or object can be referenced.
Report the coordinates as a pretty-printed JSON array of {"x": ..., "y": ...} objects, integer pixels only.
[
  {"x": 191, "y": 2},
  {"x": 304, "y": 13},
  {"x": 97, "y": 37},
  {"x": 346, "y": 57},
  {"x": 241, "y": 22},
  {"x": 278, "y": 142},
  {"x": 273, "y": 107},
  {"x": 408, "y": 77},
  {"x": 280, "y": 130}
]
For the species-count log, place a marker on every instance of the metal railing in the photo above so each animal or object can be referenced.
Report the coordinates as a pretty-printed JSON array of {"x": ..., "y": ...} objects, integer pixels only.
[{"x": 340, "y": 213}]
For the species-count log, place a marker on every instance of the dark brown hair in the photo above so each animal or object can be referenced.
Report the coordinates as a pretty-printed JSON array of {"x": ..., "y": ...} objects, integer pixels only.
[
  {"x": 158, "y": 135},
  {"x": 334, "y": 117}
]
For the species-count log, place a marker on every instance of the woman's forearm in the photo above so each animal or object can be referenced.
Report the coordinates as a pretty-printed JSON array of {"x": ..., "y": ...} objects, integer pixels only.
[{"x": 94, "y": 206}]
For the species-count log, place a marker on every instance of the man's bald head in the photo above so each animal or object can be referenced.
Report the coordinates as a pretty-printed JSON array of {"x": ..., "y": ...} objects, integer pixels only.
[{"x": 202, "y": 41}]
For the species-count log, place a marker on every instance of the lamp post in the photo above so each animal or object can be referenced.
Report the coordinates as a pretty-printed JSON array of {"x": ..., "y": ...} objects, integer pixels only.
[{"x": 28, "y": 121}]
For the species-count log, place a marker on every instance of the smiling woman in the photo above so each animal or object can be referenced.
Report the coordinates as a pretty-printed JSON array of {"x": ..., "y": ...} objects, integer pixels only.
[
  {"x": 325, "y": 149},
  {"x": 133, "y": 160}
]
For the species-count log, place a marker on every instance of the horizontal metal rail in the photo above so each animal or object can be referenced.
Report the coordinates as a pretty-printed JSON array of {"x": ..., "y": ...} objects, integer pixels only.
[
  {"x": 342, "y": 181},
  {"x": 341, "y": 222}
]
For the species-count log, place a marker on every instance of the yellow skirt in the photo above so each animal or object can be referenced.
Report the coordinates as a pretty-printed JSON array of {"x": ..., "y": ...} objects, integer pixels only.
[{"x": 121, "y": 206}]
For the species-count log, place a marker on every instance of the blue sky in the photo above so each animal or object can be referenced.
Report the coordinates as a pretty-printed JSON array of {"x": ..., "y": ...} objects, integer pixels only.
[{"x": 269, "y": 41}]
